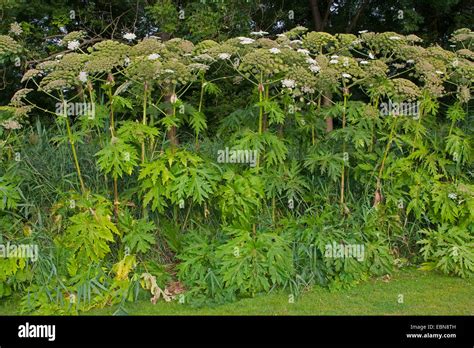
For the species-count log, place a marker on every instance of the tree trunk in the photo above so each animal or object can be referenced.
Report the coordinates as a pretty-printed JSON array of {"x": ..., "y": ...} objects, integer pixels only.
[
  {"x": 353, "y": 22},
  {"x": 320, "y": 21}
]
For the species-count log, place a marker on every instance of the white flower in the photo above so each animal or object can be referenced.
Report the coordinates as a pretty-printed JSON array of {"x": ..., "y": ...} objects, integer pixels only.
[
  {"x": 224, "y": 56},
  {"x": 455, "y": 63},
  {"x": 302, "y": 50},
  {"x": 364, "y": 62},
  {"x": 129, "y": 36},
  {"x": 395, "y": 38},
  {"x": 345, "y": 62},
  {"x": 199, "y": 66},
  {"x": 11, "y": 124},
  {"x": 439, "y": 72},
  {"x": 259, "y": 33},
  {"x": 281, "y": 35},
  {"x": 334, "y": 56},
  {"x": 126, "y": 61},
  {"x": 453, "y": 196},
  {"x": 311, "y": 61},
  {"x": 204, "y": 58},
  {"x": 169, "y": 71},
  {"x": 306, "y": 89},
  {"x": 246, "y": 40},
  {"x": 296, "y": 41},
  {"x": 410, "y": 61},
  {"x": 347, "y": 76},
  {"x": 174, "y": 98},
  {"x": 333, "y": 61},
  {"x": 363, "y": 31},
  {"x": 73, "y": 45},
  {"x": 59, "y": 56},
  {"x": 371, "y": 55},
  {"x": 154, "y": 56},
  {"x": 82, "y": 76},
  {"x": 274, "y": 50},
  {"x": 314, "y": 68},
  {"x": 288, "y": 83},
  {"x": 16, "y": 29}
]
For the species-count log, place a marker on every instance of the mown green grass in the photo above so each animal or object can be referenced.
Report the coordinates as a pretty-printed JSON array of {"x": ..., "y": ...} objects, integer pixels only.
[{"x": 423, "y": 294}]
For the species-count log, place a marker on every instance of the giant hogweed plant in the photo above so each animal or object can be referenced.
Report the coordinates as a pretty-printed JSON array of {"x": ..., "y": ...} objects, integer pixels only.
[{"x": 335, "y": 162}]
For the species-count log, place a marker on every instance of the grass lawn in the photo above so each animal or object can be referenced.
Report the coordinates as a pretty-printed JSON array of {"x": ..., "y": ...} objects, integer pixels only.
[{"x": 423, "y": 294}]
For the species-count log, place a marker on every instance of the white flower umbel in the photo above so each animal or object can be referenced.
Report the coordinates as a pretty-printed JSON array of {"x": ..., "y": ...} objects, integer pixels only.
[
  {"x": 224, "y": 56},
  {"x": 199, "y": 66},
  {"x": 73, "y": 45},
  {"x": 302, "y": 50},
  {"x": 395, "y": 38},
  {"x": 363, "y": 31},
  {"x": 296, "y": 41},
  {"x": 333, "y": 61},
  {"x": 153, "y": 56},
  {"x": 410, "y": 61},
  {"x": 274, "y": 50},
  {"x": 314, "y": 68},
  {"x": 334, "y": 56},
  {"x": 346, "y": 75},
  {"x": 129, "y": 36},
  {"x": 364, "y": 62},
  {"x": 83, "y": 76},
  {"x": 306, "y": 89},
  {"x": 439, "y": 72},
  {"x": 311, "y": 61},
  {"x": 11, "y": 124},
  {"x": 126, "y": 61},
  {"x": 259, "y": 33},
  {"x": 169, "y": 71},
  {"x": 206, "y": 58},
  {"x": 16, "y": 29},
  {"x": 455, "y": 63},
  {"x": 246, "y": 40},
  {"x": 453, "y": 196},
  {"x": 287, "y": 83}
]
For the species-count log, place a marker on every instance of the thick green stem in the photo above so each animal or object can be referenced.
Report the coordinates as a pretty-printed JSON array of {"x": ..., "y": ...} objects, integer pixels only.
[
  {"x": 372, "y": 138},
  {"x": 145, "y": 93},
  {"x": 346, "y": 92},
  {"x": 260, "y": 118},
  {"x": 74, "y": 154},
  {"x": 385, "y": 155},
  {"x": 112, "y": 133},
  {"x": 201, "y": 97}
]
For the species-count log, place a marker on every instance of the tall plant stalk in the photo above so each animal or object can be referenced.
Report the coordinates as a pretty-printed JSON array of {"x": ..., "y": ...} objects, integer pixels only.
[
  {"x": 110, "y": 80},
  {"x": 145, "y": 101},
  {"x": 345, "y": 95},
  {"x": 74, "y": 155},
  {"x": 73, "y": 147}
]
